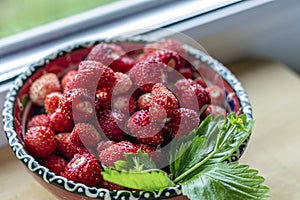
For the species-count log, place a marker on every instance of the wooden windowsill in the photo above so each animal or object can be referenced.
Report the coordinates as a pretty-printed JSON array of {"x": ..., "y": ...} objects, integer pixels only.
[{"x": 273, "y": 148}]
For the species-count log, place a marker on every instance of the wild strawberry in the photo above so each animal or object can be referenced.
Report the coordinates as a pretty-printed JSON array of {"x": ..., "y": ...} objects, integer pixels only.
[
  {"x": 186, "y": 73},
  {"x": 66, "y": 147},
  {"x": 51, "y": 102},
  {"x": 170, "y": 58},
  {"x": 61, "y": 122},
  {"x": 191, "y": 95},
  {"x": 163, "y": 103},
  {"x": 85, "y": 134},
  {"x": 79, "y": 102},
  {"x": 122, "y": 64},
  {"x": 167, "y": 44},
  {"x": 143, "y": 102},
  {"x": 112, "y": 124},
  {"x": 54, "y": 163},
  {"x": 154, "y": 140},
  {"x": 104, "y": 144},
  {"x": 94, "y": 76},
  {"x": 199, "y": 80},
  {"x": 217, "y": 94},
  {"x": 38, "y": 120},
  {"x": 42, "y": 86},
  {"x": 102, "y": 100},
  {"x": 184, "y": 121},
  {"x": 40, "y": 141},
  {"x": 123, "y": 83},
  {"x": 214, "y": 111},
  {"x": 110, "y": 186},
  {"x": 145, "y": 148},
  {"x": 106, "y": 53},
  {"x": 67, "y": 78},
  {"x": 69, "y": 86},
  {"x": 145, "y": 74},
  {"x": 143, "y": 127},
  {"x": 84, "y": 168},
  {"x": 116, "y": 152},
  {"x": 125, "y": 104}
]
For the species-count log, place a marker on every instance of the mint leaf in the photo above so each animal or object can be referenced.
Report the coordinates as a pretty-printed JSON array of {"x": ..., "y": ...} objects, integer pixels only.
[
  {"x": 233, "y": 132},
  {"x": 135, "y": 162},
  {"x": 226, "y": 181},
  {"x": 222, "y": 137},
  {"x": 145, "y": 180}
]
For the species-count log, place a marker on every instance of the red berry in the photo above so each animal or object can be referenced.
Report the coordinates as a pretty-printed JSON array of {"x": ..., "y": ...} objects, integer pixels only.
[
  {"x": 38, "y": 120},
  {"x": 40, "y": 141},
  {"x": 143, "y": 102},
  {"x": 167, "y": 44},
  {"x": 199, "y": 80},
  {"x": 61, "y": 122},
  {"x": 163, "y": 103},
  {"x": 104, "y": 144},
  {"x": 102, "y": 100},
  {"x": 85, "y": 134},
  {"x": 125, "y": 104},
  {"x": 154, "y": 140},
  {"x": 184, "y": 121},
  {"x": 123, "y": 83},
  {"x": 42, "y": 86},
  {"x": 79, "y": 102},
  {"x": 217, "y": 94},
  {"x": 84, "y": 168},
  {"x": 116, "y": 152},
  {"x": 110, "y": 186},
  {"x": 145, "y": 148},
  {"x": 94, "y": 76},
  {"x": 186, "y": 73},
  {"x": 54, "y": 163},
  {"x": 122, "y": 64},
  {"x": 170, "y": 58},
  {"x": 106, "y": 53},
  {"x": 51, "y": 102},
  {"x": 69, "y": 86},
  {"x": 66, "y": 147},
  {"x": 143, "y": 127},
  {"x": 112, "y": 124},
  {"x": 145, "y": 74},
  {"x": 70, "y": 76},
  {"x": 191, "y": 95},
  {"x": 214, "y": 111}
]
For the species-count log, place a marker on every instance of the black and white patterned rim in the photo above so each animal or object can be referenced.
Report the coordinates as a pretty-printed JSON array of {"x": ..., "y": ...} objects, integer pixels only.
[{"x": 100, "y": 193}]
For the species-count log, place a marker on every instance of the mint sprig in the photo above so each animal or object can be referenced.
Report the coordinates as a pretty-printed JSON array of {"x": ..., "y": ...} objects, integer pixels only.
[{"x": 198, "y": 162}]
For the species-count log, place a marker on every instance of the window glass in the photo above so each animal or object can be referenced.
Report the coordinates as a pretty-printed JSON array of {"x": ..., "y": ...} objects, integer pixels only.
[{"x": 20, "y": 15}]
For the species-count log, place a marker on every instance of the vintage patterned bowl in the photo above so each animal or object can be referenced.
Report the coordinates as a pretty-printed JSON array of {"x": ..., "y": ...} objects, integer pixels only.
[{"x": 18, "y": 106}]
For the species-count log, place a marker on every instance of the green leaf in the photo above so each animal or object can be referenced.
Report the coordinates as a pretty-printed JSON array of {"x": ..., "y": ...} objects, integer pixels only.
[
  {"x": 233, "y": 132},
  {"x": 135, "y": 162},
  {"x": 222, "y": 137},
  {"x": 229, "y": 181},
  {"x": 146, "y": 180},
  {"x": 178, "y": 148}
]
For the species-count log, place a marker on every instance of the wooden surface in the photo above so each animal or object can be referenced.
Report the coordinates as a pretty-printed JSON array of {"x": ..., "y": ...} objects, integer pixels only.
[{"x": 274, "y": 148}]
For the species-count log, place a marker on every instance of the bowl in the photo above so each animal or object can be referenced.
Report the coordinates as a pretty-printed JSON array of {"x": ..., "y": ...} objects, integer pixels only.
[{"x": 18, "y": 107}]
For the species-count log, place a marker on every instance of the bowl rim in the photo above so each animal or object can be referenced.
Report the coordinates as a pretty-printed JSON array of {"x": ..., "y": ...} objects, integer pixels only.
[{"x": 79, "y": 188}]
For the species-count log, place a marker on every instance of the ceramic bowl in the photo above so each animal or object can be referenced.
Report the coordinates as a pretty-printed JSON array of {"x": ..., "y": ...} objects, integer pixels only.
[{"x": 17, "y": 107}]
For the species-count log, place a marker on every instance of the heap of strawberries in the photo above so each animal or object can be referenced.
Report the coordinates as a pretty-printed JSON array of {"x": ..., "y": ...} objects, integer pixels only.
[{"x": 116, "y": 103}]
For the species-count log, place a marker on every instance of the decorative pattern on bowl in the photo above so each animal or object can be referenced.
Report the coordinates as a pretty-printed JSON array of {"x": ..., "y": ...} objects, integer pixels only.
[{"x": 18, "y": 106}]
